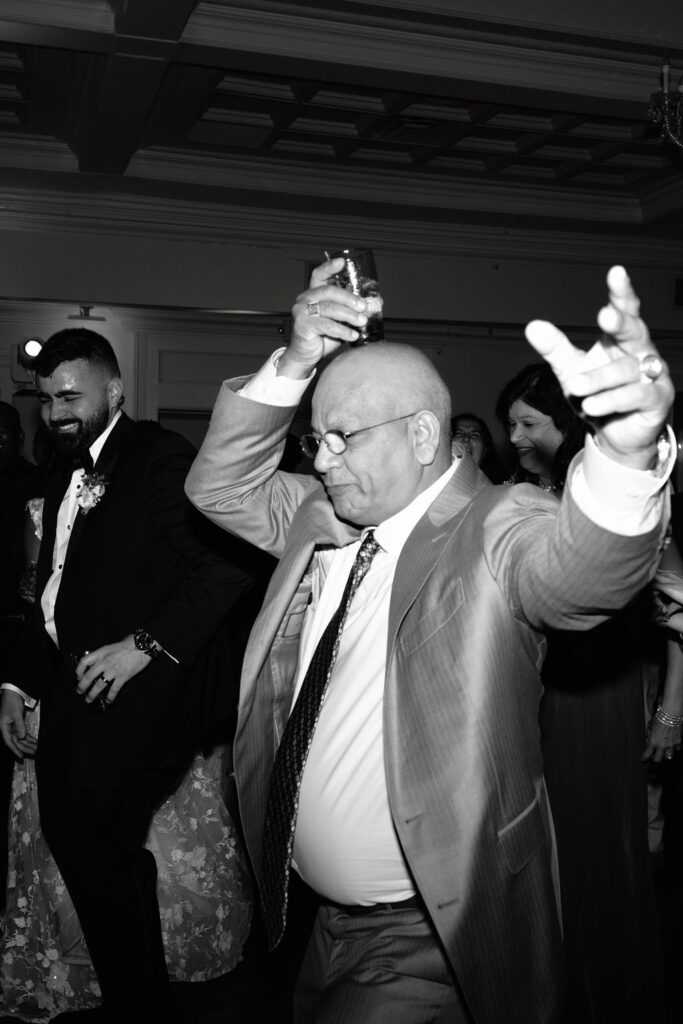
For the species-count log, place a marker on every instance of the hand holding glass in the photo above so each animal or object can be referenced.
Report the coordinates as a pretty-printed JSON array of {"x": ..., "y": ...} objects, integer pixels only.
[{"x": 359, "y": 276}]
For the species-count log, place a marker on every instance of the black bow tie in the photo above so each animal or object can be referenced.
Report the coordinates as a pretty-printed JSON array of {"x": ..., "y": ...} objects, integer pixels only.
[{"x": 83, "y": 460}]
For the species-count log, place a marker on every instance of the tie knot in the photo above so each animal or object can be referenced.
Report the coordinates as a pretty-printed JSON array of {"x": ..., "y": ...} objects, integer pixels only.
[
  {"x": 366, "y": 553},
  {"x": 368, "y": 548}
]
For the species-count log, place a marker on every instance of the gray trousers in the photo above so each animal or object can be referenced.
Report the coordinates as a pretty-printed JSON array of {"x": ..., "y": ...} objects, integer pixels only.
[{"x": 386, "y": 967}]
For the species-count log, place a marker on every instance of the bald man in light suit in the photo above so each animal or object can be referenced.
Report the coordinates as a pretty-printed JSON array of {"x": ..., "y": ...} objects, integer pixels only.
[{"x": 422, "y": 820}]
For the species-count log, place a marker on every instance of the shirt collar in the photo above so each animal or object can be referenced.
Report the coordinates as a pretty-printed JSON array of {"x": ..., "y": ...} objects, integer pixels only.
[
  {"x": 97, "y": 446},
  {"x": 392, "y": 534}
]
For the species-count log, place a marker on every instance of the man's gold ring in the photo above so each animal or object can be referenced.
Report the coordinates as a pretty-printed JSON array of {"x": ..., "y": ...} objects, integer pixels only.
[
  {"x": 313, "y": 308},
  {"x": 650, "y": 365}
]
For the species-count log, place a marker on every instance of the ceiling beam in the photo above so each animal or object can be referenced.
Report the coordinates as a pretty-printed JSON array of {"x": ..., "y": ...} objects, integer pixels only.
[
  {"x": 122, "y": 89},
  {"x": 152, "y": 19}
]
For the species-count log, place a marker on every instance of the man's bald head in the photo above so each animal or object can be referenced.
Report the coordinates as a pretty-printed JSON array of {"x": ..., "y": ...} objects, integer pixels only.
[
  {"x": 383, "y": 469},
  {"x": 386, "y": 378}
]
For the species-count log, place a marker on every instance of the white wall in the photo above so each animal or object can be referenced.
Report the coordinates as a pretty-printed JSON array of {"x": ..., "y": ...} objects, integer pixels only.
[{"x": 462, "y": 293}]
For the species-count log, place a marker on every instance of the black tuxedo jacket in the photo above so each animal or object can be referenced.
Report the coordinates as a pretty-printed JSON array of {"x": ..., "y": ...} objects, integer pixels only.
[{"x": 140, "y": 557}]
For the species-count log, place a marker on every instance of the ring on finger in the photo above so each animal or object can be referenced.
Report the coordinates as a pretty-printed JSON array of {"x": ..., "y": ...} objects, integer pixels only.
[
  {"x": 313, "y": 308},
  {"x": 650, "y": 366},
  {"x": 669, "y": 754}
]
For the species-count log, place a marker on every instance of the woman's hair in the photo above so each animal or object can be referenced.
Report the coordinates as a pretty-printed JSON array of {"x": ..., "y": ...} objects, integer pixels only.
[
  {"x": 490, "y": 463},
  {"x": 537, "y": 386}
]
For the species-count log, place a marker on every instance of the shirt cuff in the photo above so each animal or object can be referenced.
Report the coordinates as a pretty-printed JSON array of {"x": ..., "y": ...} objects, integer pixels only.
[
  {"x": 617, "y": 498},
  {"x": 269, "y": 389},
  {"x": 28, "y": 701}
]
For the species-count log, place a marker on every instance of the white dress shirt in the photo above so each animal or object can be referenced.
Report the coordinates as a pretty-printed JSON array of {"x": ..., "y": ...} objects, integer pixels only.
[
  {"x": 345, "y": 845},
  {"x": 66, "y": 517}
]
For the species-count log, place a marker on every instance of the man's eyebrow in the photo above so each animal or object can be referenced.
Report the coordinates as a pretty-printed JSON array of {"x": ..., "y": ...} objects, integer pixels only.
[{"x": 60, "y": 394}]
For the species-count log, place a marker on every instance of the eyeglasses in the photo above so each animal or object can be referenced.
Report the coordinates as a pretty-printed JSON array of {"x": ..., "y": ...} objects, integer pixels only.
[{"x": 335, "y": 440}]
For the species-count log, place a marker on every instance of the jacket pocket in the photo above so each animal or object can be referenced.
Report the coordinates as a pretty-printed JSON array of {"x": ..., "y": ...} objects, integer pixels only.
[
  {"x": 523, "y": 837},
  {"x": 293, "y": 623},
  {"x": 443, "y": 606}
]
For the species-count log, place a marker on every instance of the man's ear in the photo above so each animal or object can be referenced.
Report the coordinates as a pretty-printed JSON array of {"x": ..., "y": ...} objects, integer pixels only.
[
  {"x": 427, "y": 435},
  {"x": 115, "y": 393}
]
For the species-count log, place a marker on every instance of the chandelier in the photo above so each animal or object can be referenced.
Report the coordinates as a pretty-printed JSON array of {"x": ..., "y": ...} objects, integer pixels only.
[{"x": 665, "y": 107}]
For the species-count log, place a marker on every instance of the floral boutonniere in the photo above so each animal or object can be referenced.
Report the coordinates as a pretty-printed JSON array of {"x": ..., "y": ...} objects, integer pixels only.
[{"x": 91, "y": 492}]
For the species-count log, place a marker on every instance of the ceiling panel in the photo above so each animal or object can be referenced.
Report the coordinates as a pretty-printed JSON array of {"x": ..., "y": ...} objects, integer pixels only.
[{"x": 147, "y": 79}]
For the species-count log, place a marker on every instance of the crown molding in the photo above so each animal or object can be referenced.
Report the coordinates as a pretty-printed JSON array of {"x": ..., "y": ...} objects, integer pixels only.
[
  {"x": 445, "y": 50},
  {"x": 36, "y": 152},
  {"x": 104, "y": 214},
  {"x": 595, "y": 23},
  {"x": 435, "y": 42},
  {"x": 327, "y": 180},
  {"x": 83, "y": 15},
  {"x": 355, "y": 184},
  {"x": 324, "y": 179}
]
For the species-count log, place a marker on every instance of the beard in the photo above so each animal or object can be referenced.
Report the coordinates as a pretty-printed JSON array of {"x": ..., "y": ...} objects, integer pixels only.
[{"x": 79, "y": 441}]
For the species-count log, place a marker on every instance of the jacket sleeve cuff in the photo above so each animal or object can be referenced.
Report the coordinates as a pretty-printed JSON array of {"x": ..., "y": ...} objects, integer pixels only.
[
  {"x": 30, "y": 702},
  {"x": 269, "y": 389},
  {"x": 619, "y": 499}
]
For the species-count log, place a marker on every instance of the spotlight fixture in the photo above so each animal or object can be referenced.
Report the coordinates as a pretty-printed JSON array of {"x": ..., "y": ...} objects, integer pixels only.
[
  {"x": 31, "y": 348},
  {"x": 22, "y": 357},
  {"x": 665, "y": 107}
]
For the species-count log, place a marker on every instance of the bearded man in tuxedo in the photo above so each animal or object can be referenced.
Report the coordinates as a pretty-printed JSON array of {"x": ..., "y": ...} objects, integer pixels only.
[{"x": 129, "y": 602}]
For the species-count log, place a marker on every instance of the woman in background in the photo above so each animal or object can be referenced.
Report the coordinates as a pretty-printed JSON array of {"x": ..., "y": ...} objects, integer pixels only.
[
  {"x": 472, "y": 432},
  {"x": 592, "y": 723}
]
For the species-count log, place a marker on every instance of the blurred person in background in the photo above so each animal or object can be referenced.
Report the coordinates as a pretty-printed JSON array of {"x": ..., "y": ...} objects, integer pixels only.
[
  {"x": 20, "y": 480},
  {"x": 592, "y": 723},
  {"x": 474, "y": 435}
]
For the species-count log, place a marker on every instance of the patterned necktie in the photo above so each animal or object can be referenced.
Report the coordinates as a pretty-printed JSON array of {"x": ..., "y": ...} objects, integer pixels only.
[{"x": 285, "y": 779}]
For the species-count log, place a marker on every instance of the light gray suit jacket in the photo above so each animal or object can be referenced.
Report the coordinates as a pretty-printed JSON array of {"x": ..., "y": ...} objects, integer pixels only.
[{"x": 482, "y": 574}]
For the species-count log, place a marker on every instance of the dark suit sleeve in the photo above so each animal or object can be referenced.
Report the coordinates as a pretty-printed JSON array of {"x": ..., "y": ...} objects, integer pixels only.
[
  {"x": 211, "y": 583},
  {"x": 24, "y": 663}
]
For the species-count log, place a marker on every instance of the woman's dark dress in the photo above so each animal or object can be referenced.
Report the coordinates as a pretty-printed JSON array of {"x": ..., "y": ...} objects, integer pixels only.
[{"x": 592, "y": 722}]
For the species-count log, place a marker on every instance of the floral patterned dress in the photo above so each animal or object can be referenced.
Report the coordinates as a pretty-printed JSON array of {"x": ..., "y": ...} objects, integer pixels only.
[{"x": 203, "y": 887}]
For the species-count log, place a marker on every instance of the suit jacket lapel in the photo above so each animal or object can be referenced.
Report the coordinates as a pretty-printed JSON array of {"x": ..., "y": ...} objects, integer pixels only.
[
  {"x": 105, "y": 467},
  {"x": 54, "y": 494},
  {"x": 423, "y": 549},
  {"x": 314, "y": 525}
]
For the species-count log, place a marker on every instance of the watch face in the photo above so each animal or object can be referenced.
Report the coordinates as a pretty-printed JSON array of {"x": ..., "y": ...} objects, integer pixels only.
[{"x": 143, "y": 641}]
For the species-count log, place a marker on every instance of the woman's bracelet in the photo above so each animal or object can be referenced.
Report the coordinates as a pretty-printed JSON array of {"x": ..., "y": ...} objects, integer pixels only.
[{"x": 671, "y": 721}]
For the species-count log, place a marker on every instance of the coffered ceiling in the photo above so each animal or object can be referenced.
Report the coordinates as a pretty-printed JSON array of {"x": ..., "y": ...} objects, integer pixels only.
[{"x": 438, "y": 111}]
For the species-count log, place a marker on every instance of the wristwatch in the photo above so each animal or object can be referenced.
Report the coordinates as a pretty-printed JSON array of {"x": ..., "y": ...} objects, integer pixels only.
[{"x": 146, "y": 643}]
